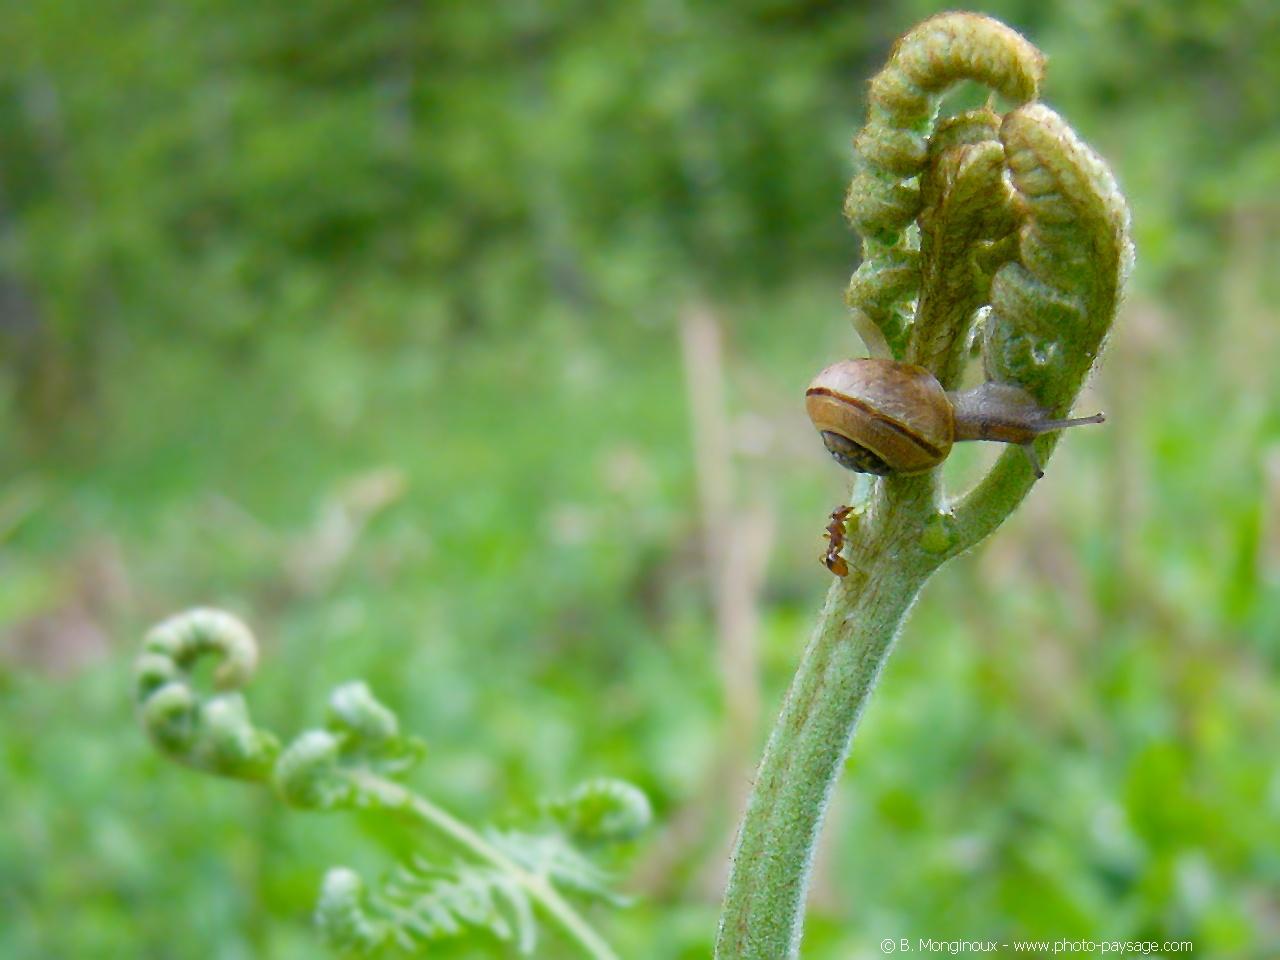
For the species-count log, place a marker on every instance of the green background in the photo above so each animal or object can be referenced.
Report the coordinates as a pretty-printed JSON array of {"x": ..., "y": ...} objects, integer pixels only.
[{"x": 364, "y": 320}]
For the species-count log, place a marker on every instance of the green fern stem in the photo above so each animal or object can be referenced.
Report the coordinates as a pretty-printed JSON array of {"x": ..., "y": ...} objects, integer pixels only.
[
  {"x": 389, "y": 795},
  {"x": 902, "y": 535},
  {"x": 764, "y": 902},
  {"x": 1016, "y": 215}
]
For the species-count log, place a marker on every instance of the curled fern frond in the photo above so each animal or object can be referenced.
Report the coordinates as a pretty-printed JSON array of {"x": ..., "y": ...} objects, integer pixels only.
[
  {"x": 213, "y": 733},
  {"x": 603, "y": 810},
  {"x": 1053, "y": 307},
  {"x": 355, "y": 710},
  {"x": 186, "y": 637},
  {"x": 940, "y": 52},
  {"x": 310, "y": 774},
  {"x": 324, "y": 769},
  {"x": 370, "y": 732},
  {"x": 893, "y": 149}
]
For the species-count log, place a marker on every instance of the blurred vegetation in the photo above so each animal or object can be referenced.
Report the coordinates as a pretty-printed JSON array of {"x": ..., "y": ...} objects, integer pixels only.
[{"x": 364, "y": 320}]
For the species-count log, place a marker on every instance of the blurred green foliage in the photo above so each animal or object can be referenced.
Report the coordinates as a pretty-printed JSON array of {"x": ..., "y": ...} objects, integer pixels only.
[{"x": 361, "y": 320}]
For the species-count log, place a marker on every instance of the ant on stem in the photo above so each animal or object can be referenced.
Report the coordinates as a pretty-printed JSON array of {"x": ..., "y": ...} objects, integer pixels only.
[{"x": 835, "y": 534}]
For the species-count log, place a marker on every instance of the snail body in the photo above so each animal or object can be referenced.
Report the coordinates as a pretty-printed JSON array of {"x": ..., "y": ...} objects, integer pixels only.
[{"x": 888, "y": 417}]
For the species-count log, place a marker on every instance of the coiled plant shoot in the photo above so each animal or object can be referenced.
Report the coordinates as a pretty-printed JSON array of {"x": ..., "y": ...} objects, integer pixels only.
[{"x": 1000, "y": 229}]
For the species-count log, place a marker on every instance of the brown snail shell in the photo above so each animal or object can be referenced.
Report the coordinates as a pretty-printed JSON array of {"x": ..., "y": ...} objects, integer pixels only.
[{"x": 882, "y": 416}]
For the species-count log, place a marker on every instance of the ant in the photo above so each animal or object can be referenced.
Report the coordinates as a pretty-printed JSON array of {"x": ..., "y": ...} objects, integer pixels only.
[{"x": 835, "y": 534}]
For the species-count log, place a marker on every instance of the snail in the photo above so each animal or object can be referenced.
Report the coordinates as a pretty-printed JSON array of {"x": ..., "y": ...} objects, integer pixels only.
[{"x": 885, "y": 416}]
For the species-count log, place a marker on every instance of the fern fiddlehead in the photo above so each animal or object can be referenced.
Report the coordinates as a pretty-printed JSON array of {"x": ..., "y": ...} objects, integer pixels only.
[
  {"x": 213, "y": 734},
  {"x": 500, "y": 880},
  {"x": 893, "y": 149},
  {"x": 1003, "y": 230}
]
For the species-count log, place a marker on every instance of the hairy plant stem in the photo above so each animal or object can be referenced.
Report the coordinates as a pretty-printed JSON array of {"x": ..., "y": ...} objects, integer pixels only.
[
  {"x": 764, "y": 902},
  {"x": 390, "y": 795},
  {"x": 904, "y": 532}
]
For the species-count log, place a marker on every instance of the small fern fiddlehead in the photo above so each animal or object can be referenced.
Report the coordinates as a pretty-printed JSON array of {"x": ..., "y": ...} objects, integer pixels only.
[
  {"x": 603, "y": 810},
  {"x": 500, "y": 881},
  {"x": 214, "y": 734},
  {"x": 320, "y": 769},
  {"x": 1000, "y": 231}
]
